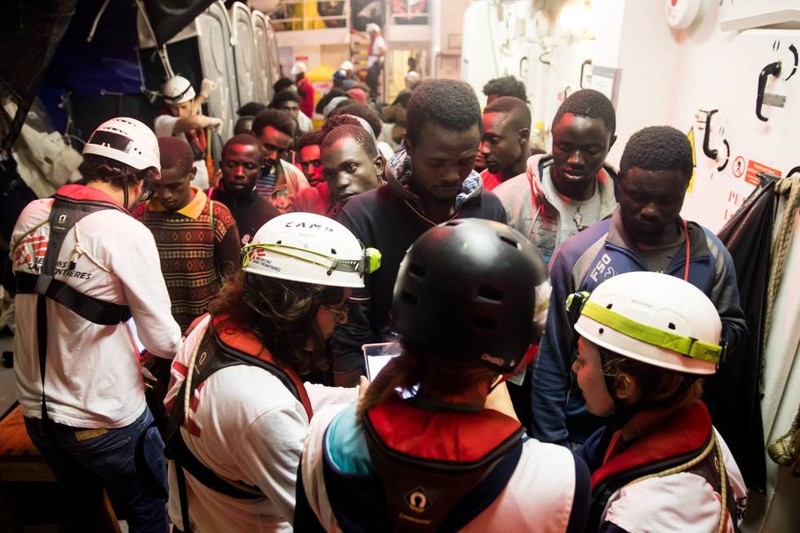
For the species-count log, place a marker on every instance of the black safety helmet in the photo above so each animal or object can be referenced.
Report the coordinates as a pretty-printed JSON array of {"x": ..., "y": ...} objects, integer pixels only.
[{"x": 465, "y": 290}]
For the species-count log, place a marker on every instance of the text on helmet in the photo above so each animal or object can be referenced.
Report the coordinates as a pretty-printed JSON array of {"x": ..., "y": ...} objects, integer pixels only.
[{"x": 308, "y": 225}]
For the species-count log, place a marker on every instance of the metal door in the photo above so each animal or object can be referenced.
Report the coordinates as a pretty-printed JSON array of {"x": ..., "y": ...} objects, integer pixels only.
[
  {"x": 216, "y": 58},
  {"x": 243, "y": 51},
  {"x": 262, "y": 85}
]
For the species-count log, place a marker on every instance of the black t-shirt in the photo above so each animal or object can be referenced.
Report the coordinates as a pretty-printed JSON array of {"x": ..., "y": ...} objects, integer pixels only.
[{"x": 250, "y": 212}]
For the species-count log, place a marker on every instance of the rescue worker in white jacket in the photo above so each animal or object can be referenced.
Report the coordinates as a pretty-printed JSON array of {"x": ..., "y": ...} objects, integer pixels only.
[
  {"x": 645, "y": 341},
  {"x": 239, "y": 409},
  {"x": 83, "y": 267},
  {"x": 438, "y": 457}
]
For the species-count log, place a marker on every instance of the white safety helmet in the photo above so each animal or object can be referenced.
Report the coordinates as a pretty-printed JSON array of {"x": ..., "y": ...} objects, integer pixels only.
[
  {"x": 373, "y": 28},
  {"x": 125, "y": 140},
  {"x": 298, "y": 68},
  {"x": 654, "y": 318},
  {"x": 177, "y": 90},
  {"x": 309, "y": 248},
  {"x": 346, "y": 65}
]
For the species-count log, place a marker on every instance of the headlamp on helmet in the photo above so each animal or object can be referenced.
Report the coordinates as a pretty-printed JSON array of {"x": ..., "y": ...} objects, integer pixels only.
[{"x": 309, "y": 248}]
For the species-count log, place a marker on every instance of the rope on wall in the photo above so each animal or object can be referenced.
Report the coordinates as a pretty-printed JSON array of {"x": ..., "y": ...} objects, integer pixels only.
[
  {"x": 785, "y": 450},
  {"x": 789, "y": 186}
]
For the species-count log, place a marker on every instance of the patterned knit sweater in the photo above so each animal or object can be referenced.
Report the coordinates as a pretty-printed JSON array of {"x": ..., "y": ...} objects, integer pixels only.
[{"x": 196, "y": 250}]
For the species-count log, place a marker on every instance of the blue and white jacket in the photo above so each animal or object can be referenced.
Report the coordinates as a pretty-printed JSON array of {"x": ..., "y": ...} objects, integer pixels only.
[{"x": 581, "y": 264}]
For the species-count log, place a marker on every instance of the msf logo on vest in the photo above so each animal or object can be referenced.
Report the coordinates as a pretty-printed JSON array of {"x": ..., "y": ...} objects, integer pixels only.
[{"x": 602, "y": 269}]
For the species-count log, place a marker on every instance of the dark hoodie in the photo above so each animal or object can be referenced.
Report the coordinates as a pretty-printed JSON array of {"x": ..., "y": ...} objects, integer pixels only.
[{"x": 390, "y": 218}]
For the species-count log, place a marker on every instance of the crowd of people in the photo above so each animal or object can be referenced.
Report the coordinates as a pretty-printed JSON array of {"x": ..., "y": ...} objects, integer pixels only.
[{"x": 192, "y": 316}]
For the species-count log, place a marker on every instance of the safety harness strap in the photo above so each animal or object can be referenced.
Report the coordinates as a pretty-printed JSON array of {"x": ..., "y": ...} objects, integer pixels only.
[
  {"x": 92, "y": 309},
  {"x": 64, "y": 214},
  {"x": 215, "y": 355}
]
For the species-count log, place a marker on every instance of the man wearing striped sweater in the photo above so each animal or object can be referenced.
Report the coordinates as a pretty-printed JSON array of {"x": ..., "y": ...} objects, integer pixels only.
[{"x": 197, "y": 241}]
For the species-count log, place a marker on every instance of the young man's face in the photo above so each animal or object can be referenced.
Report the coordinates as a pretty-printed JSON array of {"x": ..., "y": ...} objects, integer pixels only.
[
  {"x": 183, "y": 110},
  {"x": 580, "y": 145},
  {"x": 588, "y": 368},
  {"x": 275, "y": 142},
  {"x": 502, "y": 143},
  {"x": 349, "y": 170},
  {"x": 243, "y": 125},
  {"x": 241, "y": 166},
  {"x": 291, "y": 107},
  {"x": 650, "y": 203},
  {"x": 311, "y": 164},
  {"x": 174, "y": 189},
  {"x": 441, "y": 160}
]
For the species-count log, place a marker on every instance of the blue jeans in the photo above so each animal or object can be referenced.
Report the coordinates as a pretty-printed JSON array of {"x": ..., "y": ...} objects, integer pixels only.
[{"x": 86, "y": 461}]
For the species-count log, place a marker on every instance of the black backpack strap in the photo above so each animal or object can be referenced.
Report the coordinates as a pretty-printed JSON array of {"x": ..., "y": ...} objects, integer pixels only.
[
  {"x": 213, "y": 356},
  {"x": 429, "y": 495},
  {"x": 41, "y": 340},
  {"x": 187, "y": 460},
  {"x": 64, "y": 214},
  {"x": 485, "y": 492},
  {"x": 87, "y": 307}
]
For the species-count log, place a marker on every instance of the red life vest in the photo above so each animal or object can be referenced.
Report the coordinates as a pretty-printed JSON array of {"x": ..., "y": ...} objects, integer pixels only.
[
  {"x": 246, "y": 342},
  {"x": 223, "y": 345},
  {"x": 684, "y": 441}
]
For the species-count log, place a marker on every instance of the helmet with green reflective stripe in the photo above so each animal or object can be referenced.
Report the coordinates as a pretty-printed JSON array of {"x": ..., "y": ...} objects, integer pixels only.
[{"x": 654, "y": 318}]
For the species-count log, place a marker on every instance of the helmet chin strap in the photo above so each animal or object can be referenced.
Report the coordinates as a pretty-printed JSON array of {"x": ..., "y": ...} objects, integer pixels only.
[
  {"x": 623, "y": 412},
  {"x": 125, "y": 197}
]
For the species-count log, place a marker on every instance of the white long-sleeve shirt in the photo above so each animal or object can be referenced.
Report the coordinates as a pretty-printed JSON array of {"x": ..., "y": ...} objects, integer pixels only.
[
  {"x": 93, "y": 376},
  {"x": 247, "y": 427}
]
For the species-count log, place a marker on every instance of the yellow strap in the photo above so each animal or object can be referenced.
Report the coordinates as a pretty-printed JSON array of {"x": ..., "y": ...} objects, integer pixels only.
[{"x": 687, "y": 346}]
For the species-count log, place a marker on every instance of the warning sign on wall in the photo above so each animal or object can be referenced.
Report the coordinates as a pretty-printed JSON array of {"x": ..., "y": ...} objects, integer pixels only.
[
  {"x": 754, "y": 168},
  {"x": 738, "y": 166}
]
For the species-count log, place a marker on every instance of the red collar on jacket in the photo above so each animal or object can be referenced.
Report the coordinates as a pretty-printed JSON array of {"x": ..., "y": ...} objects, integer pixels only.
[
  {"x": 685, "y": 430},
  {"x": 246, "y": 342},
  {"x": 452, "y": 436},
  {"x": 76, "y": 191}
]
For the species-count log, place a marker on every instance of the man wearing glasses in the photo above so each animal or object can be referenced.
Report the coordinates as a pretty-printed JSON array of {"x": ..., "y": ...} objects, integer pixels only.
[{"x": 280, "y": 181}]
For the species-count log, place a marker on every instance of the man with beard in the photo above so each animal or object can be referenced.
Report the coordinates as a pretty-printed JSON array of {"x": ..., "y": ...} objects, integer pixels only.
[
  {"x": 280, "y": 181},
  {"x": 242, "y": 161}
]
